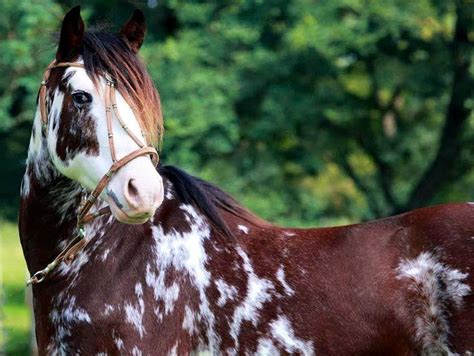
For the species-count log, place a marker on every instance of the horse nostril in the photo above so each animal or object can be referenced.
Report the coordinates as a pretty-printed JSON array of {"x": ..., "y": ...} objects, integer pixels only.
[
  {"x": 138, "y": 196},
  {"x": 132, "y": 190}
]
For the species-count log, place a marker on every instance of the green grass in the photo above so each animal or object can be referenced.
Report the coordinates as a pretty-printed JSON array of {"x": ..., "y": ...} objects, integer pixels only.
[{"x": 15, "y": 319}]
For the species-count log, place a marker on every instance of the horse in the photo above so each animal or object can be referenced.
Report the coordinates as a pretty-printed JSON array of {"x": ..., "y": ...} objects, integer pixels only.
[{"x": 169, "y": 264}]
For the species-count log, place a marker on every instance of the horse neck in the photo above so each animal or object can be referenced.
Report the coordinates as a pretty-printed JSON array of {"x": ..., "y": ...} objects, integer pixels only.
[
  {"x": 188, "y": 260},
  {"x": 194, "y": 259},
  {"x": 48, "y": 203}
]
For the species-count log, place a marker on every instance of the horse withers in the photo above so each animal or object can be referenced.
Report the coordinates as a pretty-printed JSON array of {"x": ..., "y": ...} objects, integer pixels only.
[{"x": 154, "y": 261}]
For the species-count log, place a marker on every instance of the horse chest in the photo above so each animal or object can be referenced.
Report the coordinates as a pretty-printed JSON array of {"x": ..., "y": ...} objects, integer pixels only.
[{"x": 121, "y": 317}]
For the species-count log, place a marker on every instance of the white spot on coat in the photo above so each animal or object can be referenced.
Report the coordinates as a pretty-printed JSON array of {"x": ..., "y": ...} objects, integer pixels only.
[
  {"x": 80, "y": 259},
  {"x": 64, "y": 317},
  {"x": 174, "y": 350},
  {"x": 108, "y": 309},
  {"x": 25, "y": 185},
  {"x": 243, "y": 228},
  {"x": 70, "y": 313},
  {"x": 281, "y": 278},
  {"x": 258, "y": 292},
  {"x": 183, "y": 251},
  {"x": 169, "y": 192},
  {"x": 226, "y": 291},
  {"x": 105, "y": 254},
  {"x": 134, "y": 312},
  {"x": 65, "y": 199},
  {"x": 435, "y": 286},
  {"x": 266, "y": 347},
  {"x": 136, "y": 351},
  {"x": 189, "y": 320},
  {"x": 283, "y": 332},
  {"x": 118, "y": 342}
]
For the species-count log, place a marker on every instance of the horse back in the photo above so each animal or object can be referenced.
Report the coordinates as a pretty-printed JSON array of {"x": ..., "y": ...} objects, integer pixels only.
[
  {"x": 438, "y": 273},
  {"x": 399, "y": 283}
]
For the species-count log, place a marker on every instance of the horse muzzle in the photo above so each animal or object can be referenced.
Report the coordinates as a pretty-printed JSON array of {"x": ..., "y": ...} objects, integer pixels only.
[{"x": 134, "y": 199}]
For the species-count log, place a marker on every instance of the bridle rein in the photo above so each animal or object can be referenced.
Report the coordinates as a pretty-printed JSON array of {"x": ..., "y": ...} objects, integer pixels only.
[{"x": 88, "y": 200}]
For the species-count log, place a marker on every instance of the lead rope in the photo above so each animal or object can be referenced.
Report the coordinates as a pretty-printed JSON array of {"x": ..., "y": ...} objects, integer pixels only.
[{"x": 79, "y": 241}]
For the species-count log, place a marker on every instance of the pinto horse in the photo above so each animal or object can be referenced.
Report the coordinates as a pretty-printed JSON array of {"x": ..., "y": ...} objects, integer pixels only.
[{"x": 170, "y": 264}]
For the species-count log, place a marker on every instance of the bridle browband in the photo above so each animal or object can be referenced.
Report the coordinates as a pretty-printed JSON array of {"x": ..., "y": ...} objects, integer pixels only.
[{"x": 84, "y": 215}]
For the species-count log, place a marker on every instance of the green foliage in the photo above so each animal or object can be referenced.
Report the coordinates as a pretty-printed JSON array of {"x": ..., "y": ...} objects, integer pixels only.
[
  {"x": 278, "y": 94},
  {"x": 15, "y": 319},
  {"x": 26, "y": 46},
  {"x": 331, "y": 111},
  {"x": 267, "y": 98}
]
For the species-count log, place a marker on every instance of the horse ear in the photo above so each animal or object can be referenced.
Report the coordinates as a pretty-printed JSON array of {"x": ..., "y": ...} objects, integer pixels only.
[
  {"x": 134, "y": 30},
  {"x": 72, "y": 33}
]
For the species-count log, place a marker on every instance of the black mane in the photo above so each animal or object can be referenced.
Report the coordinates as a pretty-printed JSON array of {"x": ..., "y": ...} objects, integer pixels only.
[{"x": 208, "y": 198}]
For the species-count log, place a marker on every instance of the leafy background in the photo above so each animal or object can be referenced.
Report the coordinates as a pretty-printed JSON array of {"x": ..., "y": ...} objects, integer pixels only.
[{"x": 309, "y": 112}]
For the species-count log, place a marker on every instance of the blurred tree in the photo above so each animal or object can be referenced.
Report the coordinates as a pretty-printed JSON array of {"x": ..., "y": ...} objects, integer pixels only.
[
  {"x": 275, "y": 95},
  {"x": 309, "y": 112},
  {"x": 26, "y": 48}
]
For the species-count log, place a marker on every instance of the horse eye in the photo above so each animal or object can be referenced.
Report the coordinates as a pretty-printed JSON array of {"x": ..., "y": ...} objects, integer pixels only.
[{"x": 81, "y": 98}]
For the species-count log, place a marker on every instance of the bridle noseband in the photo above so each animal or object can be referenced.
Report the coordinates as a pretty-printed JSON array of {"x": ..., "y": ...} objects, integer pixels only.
[{"x": 84, "y": 216}]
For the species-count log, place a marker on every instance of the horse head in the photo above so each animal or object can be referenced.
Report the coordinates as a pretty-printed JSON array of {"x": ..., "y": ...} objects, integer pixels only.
[{"x": 100, "y": 107}]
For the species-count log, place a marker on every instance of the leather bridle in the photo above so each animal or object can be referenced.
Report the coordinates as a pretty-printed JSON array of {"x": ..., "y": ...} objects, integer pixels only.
[{"x": 88, "y": 200}]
